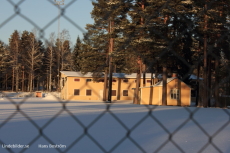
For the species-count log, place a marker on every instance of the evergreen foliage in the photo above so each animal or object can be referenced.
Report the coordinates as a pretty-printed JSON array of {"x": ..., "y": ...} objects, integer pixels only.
[{"x": 76, "y": 55}]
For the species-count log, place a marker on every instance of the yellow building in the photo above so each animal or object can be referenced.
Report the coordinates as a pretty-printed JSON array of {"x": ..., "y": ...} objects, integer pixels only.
[
  {"x": 178, "y": 93},
  {"x": 76, "y": 86}
]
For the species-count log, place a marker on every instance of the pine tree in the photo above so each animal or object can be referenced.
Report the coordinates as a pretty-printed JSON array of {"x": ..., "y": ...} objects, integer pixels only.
[
  {"x": 24, "y": 43},
  {"x": 62, "y": 55},
  {"x": 32, "y": 58},
  {"x": 49, "y": 60},
  {"x": 76, "y": 55},
  {"x": 213, "y": 36},
  {"x": 14, "y": 45},
  {"x": 91, "y": 59},
  {"x": 157, "y": 29},
  {"x": 105, "y": 36},
  {"x": 66, "y": 56},
  {"x": 4, "y": 65}
]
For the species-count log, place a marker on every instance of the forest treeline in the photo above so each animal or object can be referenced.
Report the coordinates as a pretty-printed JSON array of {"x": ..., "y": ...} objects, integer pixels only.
[
  {"x": 29, "y": 64},
  {"x": 162, "y": 37}
]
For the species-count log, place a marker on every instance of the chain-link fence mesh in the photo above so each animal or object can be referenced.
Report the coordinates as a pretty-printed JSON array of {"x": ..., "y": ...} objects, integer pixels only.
[{"x": 57, "y": 125}]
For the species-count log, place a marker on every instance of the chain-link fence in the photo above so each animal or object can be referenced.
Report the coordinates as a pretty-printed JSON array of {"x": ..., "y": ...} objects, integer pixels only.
[{"x": 73, "y": 120}]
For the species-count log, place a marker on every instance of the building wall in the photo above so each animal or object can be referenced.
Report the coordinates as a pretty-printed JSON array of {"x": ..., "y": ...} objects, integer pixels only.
[
  {"x": 153, "y": 95},
  {"x": 184, "y": 90},
  {"x": 83, "y": 85},
  {"x": 128, "y": 84},
  {"x": 122, "y": 88}
]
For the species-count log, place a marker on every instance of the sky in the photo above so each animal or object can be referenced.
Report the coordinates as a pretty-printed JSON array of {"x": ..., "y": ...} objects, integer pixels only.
[{"x": 43, "y": 14}]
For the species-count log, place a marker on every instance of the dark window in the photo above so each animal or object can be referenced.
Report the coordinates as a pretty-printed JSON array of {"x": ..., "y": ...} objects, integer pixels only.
[
  {"x": 114, "y": 80},
  {"x": 114, "y": 92},
  {"x": 88, "y": 80},
  {"x": 125, "y": 92},
  {"x": 76, "y": 92},
  {"x": 101, "y": 80},
  {"x": 125, "y": 80},
  {"x": 174, "y": 94},
  {"x": 148, "y": 81},
  {"x": 88, "y": 92},
  {"x": 77, "y": 80}
]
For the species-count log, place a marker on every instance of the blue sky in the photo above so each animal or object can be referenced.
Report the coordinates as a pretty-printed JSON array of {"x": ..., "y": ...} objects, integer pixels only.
[{"x": 41, "y": 13}]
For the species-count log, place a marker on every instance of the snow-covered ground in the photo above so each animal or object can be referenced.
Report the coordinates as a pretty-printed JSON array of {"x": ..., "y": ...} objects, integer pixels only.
[{"x": 95, "y": 127}]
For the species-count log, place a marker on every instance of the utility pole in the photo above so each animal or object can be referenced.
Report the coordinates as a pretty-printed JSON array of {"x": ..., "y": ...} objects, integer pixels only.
[{"x": 59, "y": 14}]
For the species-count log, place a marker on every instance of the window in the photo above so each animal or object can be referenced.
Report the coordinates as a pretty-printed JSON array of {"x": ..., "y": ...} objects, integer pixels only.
[
  {"x": 77, "y": 80},
  {"x": 88, "y": 92},
  {"x": 148, "y": 81},
  {"x": 88, "y": 80},
  {"x": 76, "y": 92},
  {"x": 125, "y": 80},
  {"x": 114, "y": 92},
  {"x": 174, "y": 94},
  {"x": 101, "y": 80},
  {"x": 125, "y": 92},
  {"x": 114, "y": 80}
]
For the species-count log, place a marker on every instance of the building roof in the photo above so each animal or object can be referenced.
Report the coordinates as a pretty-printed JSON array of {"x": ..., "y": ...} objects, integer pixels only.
[
  {"x": 76, "y": 74},
  {"x": 132, "y": 75},
  {"x": 194, "y": 77},
  {"x": 115, "y": 75},
  {"x": 160, "y": 83}
]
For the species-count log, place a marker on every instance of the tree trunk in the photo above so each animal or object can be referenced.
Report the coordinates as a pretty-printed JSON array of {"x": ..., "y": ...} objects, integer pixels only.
[
  {"x": 110, "y": 79},
  {"x": 151, "y": 83},
  {"x": 23, "y": 79},
  {"x": 6, "y": 83},
  {"x": 12, "y": 88},
  {"x": 49, "y": 79},
  {"x": 30, "y": 83},
  {"x": 205, "y": 90},
  {"x": 136, "y": 92},
  {"x": 198, "y": 86},
  {"x": 139, "y": 71},
  {"x": 209, "y": 82},
  {"x": 164, "y": 87},
  {"x": 217, "y": 81},
  {"x": 38, "y": 84},
  {"x": 144, "y": 75},
  {"x": 111, "y": 24},
  {"x": 105, "y": 81},
  {"x": 17, "y": 79}
]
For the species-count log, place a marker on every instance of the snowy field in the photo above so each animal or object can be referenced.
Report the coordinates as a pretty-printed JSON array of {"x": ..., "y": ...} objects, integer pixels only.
[{"x": 95, "y": 127}]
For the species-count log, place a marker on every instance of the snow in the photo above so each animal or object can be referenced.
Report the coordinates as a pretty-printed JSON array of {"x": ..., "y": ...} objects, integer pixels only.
[{"x": 118, "y": 127}]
